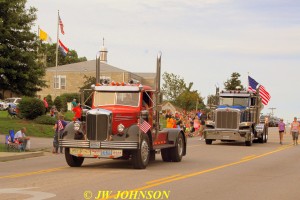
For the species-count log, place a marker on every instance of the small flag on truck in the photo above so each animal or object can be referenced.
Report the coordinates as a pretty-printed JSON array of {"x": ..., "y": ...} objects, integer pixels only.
[{"x": 144, "y": 125}]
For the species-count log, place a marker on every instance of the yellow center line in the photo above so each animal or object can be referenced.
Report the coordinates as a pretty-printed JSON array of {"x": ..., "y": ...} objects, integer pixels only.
[
  {"x": 161, "y": 179},
  {"x": 247, "y": 157},
  {"x": 33, "y": 173},
  {"x": 180, "y": 177}
]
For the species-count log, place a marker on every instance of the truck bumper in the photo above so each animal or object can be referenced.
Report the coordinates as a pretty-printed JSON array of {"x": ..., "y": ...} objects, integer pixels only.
[
  {"x": 230, "y": 135},
  {"x": 97, "y": 149},
  {"x": 99, "y": 144}
]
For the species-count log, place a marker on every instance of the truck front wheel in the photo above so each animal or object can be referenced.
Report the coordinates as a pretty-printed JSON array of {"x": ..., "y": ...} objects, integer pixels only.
[
  {"x": 140, "y": 157},
  {"x": 207, "y": 141},
  {"x": 73, "y": 161}
]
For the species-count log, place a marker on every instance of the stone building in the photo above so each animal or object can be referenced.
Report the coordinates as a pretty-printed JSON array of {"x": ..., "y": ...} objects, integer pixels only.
[{"x": 71, "y": 77}]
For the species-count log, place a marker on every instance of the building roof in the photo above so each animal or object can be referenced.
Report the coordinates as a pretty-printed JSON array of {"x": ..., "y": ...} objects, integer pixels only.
[{"x": 88, "y": 66}]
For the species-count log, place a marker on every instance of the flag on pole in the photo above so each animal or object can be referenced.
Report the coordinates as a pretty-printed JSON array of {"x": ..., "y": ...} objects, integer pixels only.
[
  {"x": 64, "y": 50},
  {"x": 264, "y": 94},
  {"x": 144, "y": 125},
  {"x": 252, "y": 86},
  {"x": 44, "y": 36},
  {"x": 61, "y": 25}
]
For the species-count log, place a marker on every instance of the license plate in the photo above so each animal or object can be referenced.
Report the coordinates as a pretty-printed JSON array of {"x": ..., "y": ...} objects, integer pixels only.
[
  {"x": 226, "y": 137},
  {"x": 105, "y": 153}
]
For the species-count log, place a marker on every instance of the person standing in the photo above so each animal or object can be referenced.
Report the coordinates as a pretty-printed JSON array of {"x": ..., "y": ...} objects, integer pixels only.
[
  {"x": 59, "y": 130},
  {"x": 74, "y": 103},
  {"x": 281, "y": 129},
  {"x": 203, "y": 119},
  {"x": 46, "y": 105},
  {"x": 295, "y": 130},
  {"x": 77, "y": 112}
]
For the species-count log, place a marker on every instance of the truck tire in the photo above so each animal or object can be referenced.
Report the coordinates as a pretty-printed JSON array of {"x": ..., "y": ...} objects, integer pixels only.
[
  {"x": 266, "y": 137},
  {"x": 73, "y": 161},
  {"x": 165, "y": 155},
  {"x": 176, "y": 152},
  {"x": 207, "y": 141},
  {"x": 140, "y": 157},
  {"x": 261, "y": 139},
  {"x": 248, "y": 143}
]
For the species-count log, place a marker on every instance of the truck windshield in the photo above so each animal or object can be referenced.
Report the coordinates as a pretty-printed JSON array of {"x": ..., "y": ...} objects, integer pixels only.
[
  {"x": 229, "y": 101},
  {"x": 116, "y": 98}
]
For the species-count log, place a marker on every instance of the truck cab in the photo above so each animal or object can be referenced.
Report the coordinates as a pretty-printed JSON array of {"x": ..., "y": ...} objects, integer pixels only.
[{"x": 236, "y": 118}]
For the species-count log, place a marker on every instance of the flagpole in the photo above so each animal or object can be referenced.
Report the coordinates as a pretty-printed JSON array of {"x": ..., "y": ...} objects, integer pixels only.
[{"x": 56, "y": 61}]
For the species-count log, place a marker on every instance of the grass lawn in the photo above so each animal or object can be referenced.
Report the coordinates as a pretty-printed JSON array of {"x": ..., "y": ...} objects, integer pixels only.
[{"x": 33, "y": 129}]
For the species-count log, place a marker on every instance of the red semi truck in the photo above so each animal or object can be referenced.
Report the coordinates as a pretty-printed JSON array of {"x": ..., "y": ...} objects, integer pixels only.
[{"x": 123, "y": 123}]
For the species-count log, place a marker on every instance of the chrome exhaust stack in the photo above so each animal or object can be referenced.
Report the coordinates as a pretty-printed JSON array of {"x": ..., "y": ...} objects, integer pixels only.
[
  {"x": 98, "y": 56},
  {"x": 157, "y": 91}
]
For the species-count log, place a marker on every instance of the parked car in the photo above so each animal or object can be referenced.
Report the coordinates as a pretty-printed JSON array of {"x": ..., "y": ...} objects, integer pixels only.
[
  {"x": 13, "y": 101},
  {"x": 2, "y": 105}
]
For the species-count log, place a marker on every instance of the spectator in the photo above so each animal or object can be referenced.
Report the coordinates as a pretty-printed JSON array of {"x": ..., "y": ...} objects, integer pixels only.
[
  {"x": 21, "y": 138},
  {"x": 196, "y": 126},
  {"x": 74, "y": 103},
  {"x": 46, "y": 105},
  {"x": 53, "y": 111},
  {"x": 295, "y": 126},
  {"x": 77, "y": 112},
  {"x": 11, "y": 110},
  {"x": 281, "y": 128},
  {"x": 203, "y": 119},
  {"x": 59, "y": 129},
  {"x": 170, "y": 121}
]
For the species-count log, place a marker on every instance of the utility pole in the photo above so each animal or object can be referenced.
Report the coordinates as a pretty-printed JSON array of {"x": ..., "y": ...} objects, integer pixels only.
[{"x": 272, "y": 111}]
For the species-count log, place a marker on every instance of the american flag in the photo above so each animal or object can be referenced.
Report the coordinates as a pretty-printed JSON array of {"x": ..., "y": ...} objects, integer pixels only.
[
  {"x": 61, "y": 25},
  {"x": 252, "y": 84},
  {"x": 264, "y": 94},
  {"x": 60, "y": 125},
  {"x": 144, "y": 126}
]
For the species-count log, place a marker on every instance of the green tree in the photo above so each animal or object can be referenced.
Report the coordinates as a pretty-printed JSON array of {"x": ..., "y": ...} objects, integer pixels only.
[
  {"x": 19, "y": 71},
  {"x": 173, "y": 86},
  {"x": 47, "y": 55},
  {"x": 189, "y": 100},
  {"x": 232, "y": 83}
]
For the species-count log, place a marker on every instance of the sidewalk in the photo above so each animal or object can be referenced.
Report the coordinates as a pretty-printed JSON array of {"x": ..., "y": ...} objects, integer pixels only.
[{"x": 38, "y": 146}]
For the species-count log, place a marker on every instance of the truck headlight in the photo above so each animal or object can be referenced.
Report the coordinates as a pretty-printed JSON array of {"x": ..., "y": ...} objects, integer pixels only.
[
  {"x": 76, "y": 126},
  {"x": 120, "y": 128}
]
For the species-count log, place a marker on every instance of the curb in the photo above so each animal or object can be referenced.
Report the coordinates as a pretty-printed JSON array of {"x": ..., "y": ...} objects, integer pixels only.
[{"x": 17, "y": 156}]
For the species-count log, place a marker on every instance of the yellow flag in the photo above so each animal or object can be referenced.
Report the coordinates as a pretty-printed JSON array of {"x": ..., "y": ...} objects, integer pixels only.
[{"x": 43, "y": 35}]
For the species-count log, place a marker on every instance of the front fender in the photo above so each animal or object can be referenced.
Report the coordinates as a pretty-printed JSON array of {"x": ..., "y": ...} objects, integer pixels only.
[{"x": 71, "y": 134}]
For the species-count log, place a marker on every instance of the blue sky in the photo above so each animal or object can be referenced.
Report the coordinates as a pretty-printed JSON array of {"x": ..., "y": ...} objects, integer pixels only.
[{"x": 203, "y": 41}]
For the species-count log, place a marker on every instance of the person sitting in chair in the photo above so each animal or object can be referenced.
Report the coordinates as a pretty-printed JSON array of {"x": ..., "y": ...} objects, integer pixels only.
[
  {"x": 21, "y": 138},
  {"x": 11, "y": 111}
]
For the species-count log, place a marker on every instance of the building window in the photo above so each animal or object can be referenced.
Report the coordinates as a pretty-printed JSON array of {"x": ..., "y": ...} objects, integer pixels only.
[{"x": 59, "y": 82}]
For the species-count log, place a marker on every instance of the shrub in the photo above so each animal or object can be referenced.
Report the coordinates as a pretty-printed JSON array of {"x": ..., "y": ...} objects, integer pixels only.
[
  {"x": 49, "y": 100},
  {"x": 31, "y": 108},
  {"x": 58, "y": 103},
  {"x": 45, "y": 119}
]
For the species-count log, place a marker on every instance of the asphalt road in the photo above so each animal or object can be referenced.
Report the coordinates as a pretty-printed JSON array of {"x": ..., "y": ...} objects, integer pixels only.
[{"x": 218, "y": 171}]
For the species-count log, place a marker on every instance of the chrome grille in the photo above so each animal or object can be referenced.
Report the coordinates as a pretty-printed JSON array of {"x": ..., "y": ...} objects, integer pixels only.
[
  {"x": 228, "y": 119},
  {"x": 97, "y": 126}
]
